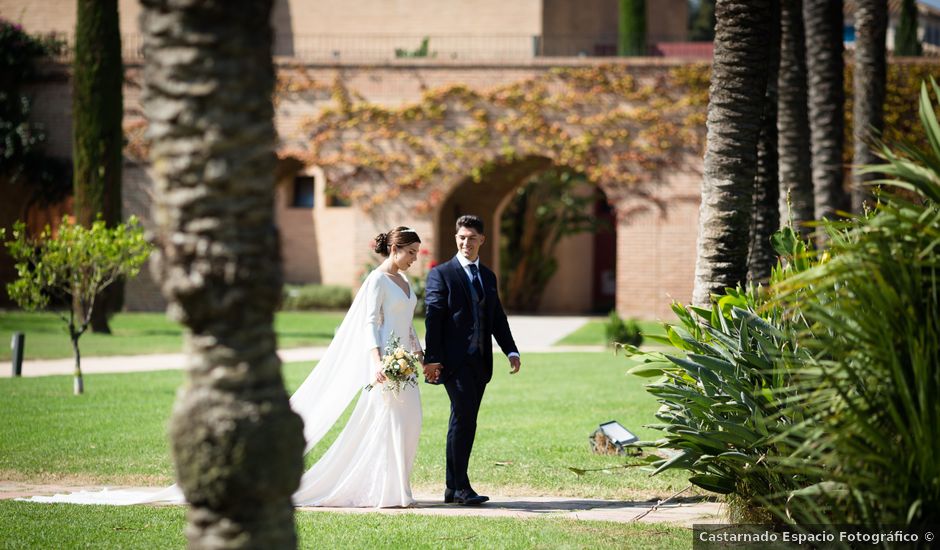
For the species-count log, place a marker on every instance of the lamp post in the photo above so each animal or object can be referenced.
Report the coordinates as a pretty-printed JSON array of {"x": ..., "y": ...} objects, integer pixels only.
[{"x": 18, "y": 344}]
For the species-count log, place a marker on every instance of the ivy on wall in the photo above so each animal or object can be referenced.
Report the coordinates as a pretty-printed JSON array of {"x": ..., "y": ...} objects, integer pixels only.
[
  {"x": 621, "y": 126},
  {"x": 606, "y": 122}
]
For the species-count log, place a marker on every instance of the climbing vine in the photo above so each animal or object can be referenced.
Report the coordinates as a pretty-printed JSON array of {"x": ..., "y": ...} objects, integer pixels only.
[
  {"x": 621, "y": 126},
  {"x": 616, "y": 126}
]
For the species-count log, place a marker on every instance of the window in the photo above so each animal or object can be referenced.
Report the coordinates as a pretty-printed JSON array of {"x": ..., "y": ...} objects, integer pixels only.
[
  {"x": 848, "y": 33},
  {"x": 303, "y": 192},
  {"x": 933, "y": 35}
]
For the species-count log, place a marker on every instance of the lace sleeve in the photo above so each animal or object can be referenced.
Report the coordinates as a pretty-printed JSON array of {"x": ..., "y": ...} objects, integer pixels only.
[
  {"x": 374, "y": 319},
  {"x": 416, "y": 342}
]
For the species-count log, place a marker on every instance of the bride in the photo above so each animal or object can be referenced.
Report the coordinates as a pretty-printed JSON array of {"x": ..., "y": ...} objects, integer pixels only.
[{"x": 370, "y": 463}]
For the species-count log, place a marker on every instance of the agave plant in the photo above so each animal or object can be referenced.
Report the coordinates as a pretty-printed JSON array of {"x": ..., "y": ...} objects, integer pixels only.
[
  {"x": 725, "y": 402},
  {"x": 873, "y": 314}
]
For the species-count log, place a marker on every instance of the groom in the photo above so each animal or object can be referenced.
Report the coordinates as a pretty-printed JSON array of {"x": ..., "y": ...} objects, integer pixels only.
[{"x": 463, "y": 315}]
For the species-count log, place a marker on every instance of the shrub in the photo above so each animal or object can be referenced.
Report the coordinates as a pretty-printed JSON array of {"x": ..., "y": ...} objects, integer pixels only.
[
  {"x": 622, "y": 332},
  {"x": 873, "y": 326},
  {"x": 816, "y": 400},
  {"x": 724, "y": 401},
  {"x": 311, "y": 297}
]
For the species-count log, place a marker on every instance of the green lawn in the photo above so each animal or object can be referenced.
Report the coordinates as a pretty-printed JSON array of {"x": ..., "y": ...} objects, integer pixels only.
[
  {"x": 30, "y": 525},
  {"x": 592, "y": 333},
  {"x": 533, "y": 426},
  {"x": 142, "y": 333}
]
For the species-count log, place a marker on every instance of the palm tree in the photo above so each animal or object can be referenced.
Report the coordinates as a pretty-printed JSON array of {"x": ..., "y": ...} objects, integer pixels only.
[
  {"x": 97, "y": 109},
  {"x": 796, "y": 178},
  {"x": 824, "y": 66},
  {"x": 236, "y": 443},
  {"x": 766, "y": 216},
  {"x": 871, "y": 26},
  {"x": 735, "y": 109}
]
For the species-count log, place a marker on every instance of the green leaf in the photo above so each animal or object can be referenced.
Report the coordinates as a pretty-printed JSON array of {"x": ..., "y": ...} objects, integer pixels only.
[{"x": 714, "y": 483}]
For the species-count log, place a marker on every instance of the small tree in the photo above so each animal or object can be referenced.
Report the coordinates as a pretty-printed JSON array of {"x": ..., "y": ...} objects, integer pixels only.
[
  {"x": 72, "y": 265},
  {"x": 554, "y": 204}
]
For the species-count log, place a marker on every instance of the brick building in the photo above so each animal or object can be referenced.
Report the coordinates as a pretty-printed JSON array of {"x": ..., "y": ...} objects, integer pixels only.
[{"x": 480, "y": 43}]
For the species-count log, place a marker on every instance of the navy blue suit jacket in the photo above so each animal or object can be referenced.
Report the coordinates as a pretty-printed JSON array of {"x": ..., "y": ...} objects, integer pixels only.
[{"x": 449, "y": 319}]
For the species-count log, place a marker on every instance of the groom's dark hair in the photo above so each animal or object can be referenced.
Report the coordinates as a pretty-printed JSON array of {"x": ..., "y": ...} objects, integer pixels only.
[{"x": 470, "y": 222}]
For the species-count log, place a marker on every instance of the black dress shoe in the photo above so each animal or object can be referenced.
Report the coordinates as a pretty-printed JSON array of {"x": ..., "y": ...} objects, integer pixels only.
[
  {"x": 469, "y": 498},
  {"x": 448, "y": 496}
]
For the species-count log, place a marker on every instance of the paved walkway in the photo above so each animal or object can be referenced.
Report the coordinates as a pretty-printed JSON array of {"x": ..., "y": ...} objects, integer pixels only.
[
  {"x": 684, "y": 511},
  {"x": 533, "y": 334}
]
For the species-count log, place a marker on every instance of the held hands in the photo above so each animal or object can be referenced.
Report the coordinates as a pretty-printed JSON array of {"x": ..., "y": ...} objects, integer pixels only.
[
  {"x": 432, "y": 371},
  {"x": 515, "y": 363}
]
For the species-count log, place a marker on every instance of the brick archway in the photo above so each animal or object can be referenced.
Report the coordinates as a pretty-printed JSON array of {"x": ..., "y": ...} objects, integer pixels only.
[{"x": 586, "y": 260}]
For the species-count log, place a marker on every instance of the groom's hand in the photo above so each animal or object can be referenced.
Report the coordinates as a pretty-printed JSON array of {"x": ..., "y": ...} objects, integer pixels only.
[{"x": 515, "y": 363}]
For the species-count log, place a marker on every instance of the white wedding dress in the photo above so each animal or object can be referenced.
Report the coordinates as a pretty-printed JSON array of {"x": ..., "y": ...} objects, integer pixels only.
[{"x": 370, "y": 463}]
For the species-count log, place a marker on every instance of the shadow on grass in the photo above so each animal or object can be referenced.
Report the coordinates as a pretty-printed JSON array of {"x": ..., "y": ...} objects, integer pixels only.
[{"x": 549, "y": 506}]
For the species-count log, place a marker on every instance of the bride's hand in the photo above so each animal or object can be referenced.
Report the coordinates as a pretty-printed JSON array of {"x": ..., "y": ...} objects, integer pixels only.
[{"x": 380, "y": 376}]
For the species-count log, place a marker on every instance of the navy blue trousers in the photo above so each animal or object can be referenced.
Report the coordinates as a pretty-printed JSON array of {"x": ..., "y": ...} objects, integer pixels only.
[{"x": 465, "y": 389}]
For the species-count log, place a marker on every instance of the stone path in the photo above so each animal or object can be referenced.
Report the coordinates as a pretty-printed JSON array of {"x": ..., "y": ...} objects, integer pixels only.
[
  {"x": 533, "y": 334},
  {"x": 685, "y": 511}
]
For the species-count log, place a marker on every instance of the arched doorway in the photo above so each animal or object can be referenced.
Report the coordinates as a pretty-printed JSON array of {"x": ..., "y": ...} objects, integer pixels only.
[
  {"x": 582, "y": 276},
  {"x": 482, "y": 198}
]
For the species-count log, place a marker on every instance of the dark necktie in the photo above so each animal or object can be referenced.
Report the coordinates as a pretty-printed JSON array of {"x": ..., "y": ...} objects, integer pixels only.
[{"x": 475, "y": 277}]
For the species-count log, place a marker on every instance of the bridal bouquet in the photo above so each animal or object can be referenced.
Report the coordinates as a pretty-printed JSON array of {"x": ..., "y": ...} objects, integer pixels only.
[{"x": 399, "y": 365}]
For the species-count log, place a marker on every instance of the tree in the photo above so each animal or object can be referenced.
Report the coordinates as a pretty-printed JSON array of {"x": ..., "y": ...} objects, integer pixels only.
[
  {"x": 554, "y": 204},
  {"x": 702, "y": 24},
  {"x": 765, "y": 220},
  {"x": 824, "y": 66},
  {"x": 870, "y": 76},
  {"x": 97, "y": 109},
  {"x": 73, "y": 265},
  {"x": 905, "y": 40},
  {"x": 793, "y": 137},
  {"x": 237, "y": 445},
  {"x": 735, "y": 109},
  {"x": 632, "y": 28}
]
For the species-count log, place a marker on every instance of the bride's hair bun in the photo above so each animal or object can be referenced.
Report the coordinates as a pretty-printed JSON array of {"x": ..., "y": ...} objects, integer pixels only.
[
  {"x": 381, "y": 244},
  {"x": 400, "y": 236}
]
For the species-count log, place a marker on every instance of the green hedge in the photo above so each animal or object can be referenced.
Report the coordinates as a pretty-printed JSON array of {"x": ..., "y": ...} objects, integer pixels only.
[{"x": 310, "y": 297}]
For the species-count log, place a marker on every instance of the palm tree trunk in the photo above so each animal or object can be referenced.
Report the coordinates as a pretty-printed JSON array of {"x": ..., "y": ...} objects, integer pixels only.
[
  {"x": 735, "y": 110},
  {"x": 793, "y": 137},
  {"x": 236, "y": 443},
  {"x": 766, "y": 217},
  {"x": 824, "y": 65},
  {"x": 97, "y": 111},
  {"x": 871, "y": 26}
]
